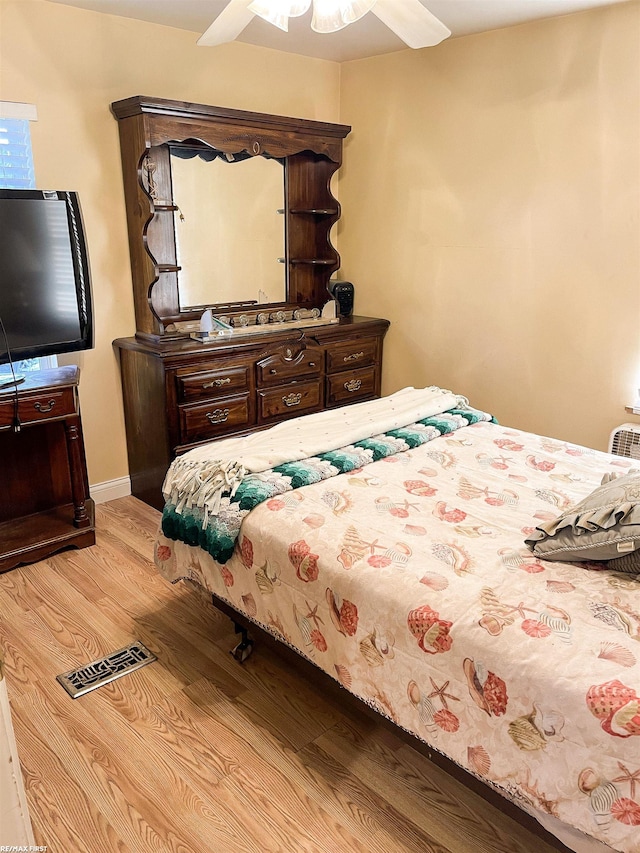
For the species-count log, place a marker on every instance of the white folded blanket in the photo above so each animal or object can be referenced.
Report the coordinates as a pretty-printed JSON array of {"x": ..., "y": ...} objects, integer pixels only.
[{"x": 202, "y": 475}]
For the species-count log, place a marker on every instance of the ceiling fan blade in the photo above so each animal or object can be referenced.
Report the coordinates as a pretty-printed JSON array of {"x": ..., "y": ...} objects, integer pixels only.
[
  {"x": 228, "y": 25},
  {"x": 411, "y": 22}
]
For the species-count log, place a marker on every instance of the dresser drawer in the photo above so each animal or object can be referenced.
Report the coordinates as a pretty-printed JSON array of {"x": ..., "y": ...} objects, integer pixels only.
[
  {"x": 207, "y": 383},
  {"x": 295, "y": 399},
  {"x": 346, "y": 356},
  {"x": 207, "y": 420},
  {"x": 277, "y": 368},
  {"x": 33, "y": 408},
  {"x": 350, "y": 386}
]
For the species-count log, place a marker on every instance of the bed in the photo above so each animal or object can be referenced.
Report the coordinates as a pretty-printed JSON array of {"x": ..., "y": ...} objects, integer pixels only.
[{"x": 394, "y": 559}]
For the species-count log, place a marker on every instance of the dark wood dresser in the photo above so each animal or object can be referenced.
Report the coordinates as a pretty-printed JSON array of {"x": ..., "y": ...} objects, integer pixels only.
[
  {"x": 285, "y": 354},
  {"x": 44, "y": 491},
  {"x": 177, "y": 397}
]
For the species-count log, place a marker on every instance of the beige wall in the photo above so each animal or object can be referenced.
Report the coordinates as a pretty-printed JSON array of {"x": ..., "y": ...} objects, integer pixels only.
[
  {"x": 491, "y": 195},
  {"x": 72, "y": 64}
]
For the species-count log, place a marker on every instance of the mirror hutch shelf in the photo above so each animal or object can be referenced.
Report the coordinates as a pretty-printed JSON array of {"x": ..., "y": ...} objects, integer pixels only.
[{"x": 180, "y": 392}]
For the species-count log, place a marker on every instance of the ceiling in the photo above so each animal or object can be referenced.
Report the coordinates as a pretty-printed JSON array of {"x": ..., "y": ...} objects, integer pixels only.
[{"x": 366, "y": 37}]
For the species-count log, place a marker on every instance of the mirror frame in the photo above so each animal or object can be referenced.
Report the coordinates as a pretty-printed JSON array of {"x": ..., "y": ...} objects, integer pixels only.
[{"x": 312, "y": 153}]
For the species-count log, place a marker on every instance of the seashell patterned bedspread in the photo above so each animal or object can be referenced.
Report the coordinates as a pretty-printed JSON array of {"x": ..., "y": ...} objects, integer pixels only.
[{"x": 409, "y": 582}]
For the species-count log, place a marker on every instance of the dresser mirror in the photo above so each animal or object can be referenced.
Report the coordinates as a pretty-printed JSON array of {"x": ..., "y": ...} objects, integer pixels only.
[
  {"x": 226, "y": 209},
  {"x": 229, "y": 227}
]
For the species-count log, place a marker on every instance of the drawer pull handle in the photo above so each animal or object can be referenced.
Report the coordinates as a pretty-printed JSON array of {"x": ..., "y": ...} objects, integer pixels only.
[
  {"x": 354, "y": 356},
  {"x": 217, "y": 383},
  {"x": 273, "y": 371},
  {"x": 353, "y": 385},
  {"x": 44, "y": 407},
  {"x": 292, "y": 399},
  {"x": 218, "y": 416},
  {"x": 312, "y": 364}
]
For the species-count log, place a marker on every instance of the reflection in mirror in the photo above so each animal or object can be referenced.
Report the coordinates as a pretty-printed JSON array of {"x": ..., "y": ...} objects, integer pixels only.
[{"x": 229, "y": 235}]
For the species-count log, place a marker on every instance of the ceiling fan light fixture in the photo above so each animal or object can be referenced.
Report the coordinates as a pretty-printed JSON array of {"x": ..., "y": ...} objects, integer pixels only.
[
  {"x": 356, "y": 9},
  {"x": 329, "y": 16},
  {"x": 410, "y": 20},
  {"x": 298, "y": 8}
]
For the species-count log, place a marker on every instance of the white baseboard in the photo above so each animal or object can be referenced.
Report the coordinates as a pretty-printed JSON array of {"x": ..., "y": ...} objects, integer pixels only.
[{"x": 112, "y": 489}]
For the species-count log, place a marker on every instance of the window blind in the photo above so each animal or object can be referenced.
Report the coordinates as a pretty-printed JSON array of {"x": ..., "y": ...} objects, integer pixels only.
[{"x": 16, "y": 159}]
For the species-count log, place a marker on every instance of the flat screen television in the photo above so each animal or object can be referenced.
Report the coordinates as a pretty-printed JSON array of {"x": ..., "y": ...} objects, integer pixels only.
[{"x": 45, "y": 288}]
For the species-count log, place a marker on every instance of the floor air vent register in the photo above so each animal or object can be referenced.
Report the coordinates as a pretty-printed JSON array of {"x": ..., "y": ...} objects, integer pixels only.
[{"x": 79, "y": 681}]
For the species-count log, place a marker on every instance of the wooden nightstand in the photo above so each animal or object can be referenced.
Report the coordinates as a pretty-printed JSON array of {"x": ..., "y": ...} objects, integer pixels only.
[{"x": 44, "y": 490}]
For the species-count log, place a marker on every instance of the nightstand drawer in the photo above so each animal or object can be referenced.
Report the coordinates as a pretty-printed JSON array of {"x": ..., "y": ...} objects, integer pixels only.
[
  {"x": 222, "y": 379},
  {"x": 33, "y": 408},
  {"x": 207, "y": 420},
  {"x": 296, "y": 399},
  {"x": 351, "y": 385},
  {"x": 355, "y": 354}
]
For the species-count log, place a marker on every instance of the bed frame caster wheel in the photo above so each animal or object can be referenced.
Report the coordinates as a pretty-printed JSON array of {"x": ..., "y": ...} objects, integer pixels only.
[
  {"x": 242, "y": 651},
  {"x": 244, "y": 648}
]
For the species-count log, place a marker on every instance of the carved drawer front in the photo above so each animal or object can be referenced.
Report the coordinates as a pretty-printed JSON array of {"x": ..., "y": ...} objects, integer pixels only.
[
  {"x": 353, "y": 354},
  {"x": 289, "y": 400},
  {"x": 218, "y": 380},
  {"x": 218, "y": 416},
  {"x": 46, "y": 406},
  {"x": 350, "y": 386},
  {"x": 286, "y": 365}
]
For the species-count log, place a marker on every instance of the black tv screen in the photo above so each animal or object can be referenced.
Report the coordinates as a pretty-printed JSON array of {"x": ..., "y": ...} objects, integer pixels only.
[{"x": 45, "y": 288}]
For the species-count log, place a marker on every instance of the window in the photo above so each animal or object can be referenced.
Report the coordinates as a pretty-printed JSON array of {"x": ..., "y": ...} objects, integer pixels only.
[
  {"x": 16, "y": 159},
  {"x": 16, "y": 172}
]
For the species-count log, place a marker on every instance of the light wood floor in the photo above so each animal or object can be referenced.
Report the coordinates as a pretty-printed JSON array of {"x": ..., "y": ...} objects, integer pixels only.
[{"x": 196, "y": 753}]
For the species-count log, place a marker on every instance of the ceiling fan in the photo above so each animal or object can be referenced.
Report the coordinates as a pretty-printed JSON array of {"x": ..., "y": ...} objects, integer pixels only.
[{"x": 408, "y": 19}]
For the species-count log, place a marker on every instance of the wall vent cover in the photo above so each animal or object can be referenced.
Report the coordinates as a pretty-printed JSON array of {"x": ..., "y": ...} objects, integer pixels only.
[
  {"x": 625, "y": 441},
  {"x": 77, "y": 682}
]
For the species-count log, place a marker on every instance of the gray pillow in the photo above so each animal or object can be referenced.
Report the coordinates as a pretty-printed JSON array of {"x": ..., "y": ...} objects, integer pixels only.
[{"x": 605, "y": 526}]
